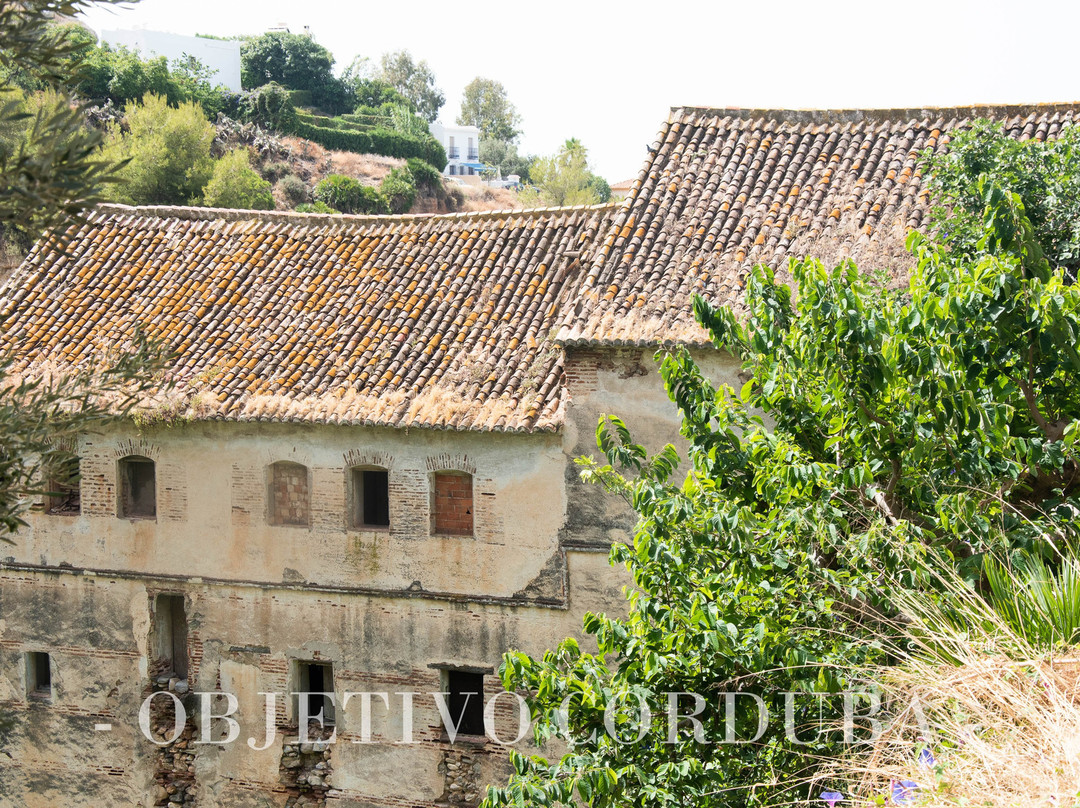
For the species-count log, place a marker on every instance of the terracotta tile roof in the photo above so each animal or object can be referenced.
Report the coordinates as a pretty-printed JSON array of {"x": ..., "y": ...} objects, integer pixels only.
[
  {"x": 723, "y": 190},
  {"x": 430, "y": 321}
]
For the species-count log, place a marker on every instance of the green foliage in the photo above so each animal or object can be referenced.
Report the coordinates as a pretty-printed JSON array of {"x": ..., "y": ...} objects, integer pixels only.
[
  {"x": 504, "y": 156},
  {"x": 564, "y": 179},
  {"x": 398, "y": 188},
  {"x": 348, "y": 195},
  {"x": 315, "y": 207},
  {"x": 414, "y": 81},
  {"x": 375, "y": 141},
  {"x": 270, "y": 107},
  {"x": 1044, "y": 174},
  {"x": 881, "y": 435},
  {"x": 294, "y": 61},
  {"x": 235, "y": 184},
  {"x": 424, "y": 174},
  {"x": 1039, "y": 602},
  {"x": 375, "y": 93},
  {"x": 168, "y": 150},
  {"x": 51, "y": 168},
  {"x": 293, "y": 188},
  {"x": 404, "y": 121},
  {"x": 600, "y": 188},
  {"x": 484, "y": 104}
]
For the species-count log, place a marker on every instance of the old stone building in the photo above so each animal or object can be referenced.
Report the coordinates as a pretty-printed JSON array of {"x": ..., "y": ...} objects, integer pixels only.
[{"x": 358, "y": 475}]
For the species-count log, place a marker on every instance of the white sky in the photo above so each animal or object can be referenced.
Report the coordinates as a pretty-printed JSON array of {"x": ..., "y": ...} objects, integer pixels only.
[{"x": 607, "y": 72}]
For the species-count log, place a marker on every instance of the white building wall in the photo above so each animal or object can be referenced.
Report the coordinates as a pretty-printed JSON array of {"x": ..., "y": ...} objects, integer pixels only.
[{"x": 221, "y": 56}]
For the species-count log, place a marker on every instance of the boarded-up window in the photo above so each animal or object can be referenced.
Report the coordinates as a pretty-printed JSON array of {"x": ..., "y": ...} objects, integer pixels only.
[
  {"x": 370, "y": 498},
  {"x": 138, "y": 488},
  {"x": 62, "y": 498},
  {"x": 38, "y": 675},
  {"x": 290, "y": 496},
  {"x": 452, "y": 504},
  {"x": 171, "y": 631}
]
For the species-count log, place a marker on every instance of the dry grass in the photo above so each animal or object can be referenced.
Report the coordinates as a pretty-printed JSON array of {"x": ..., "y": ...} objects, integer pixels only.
[
  {"x": 1001, "y": 719},
  {"x": 481, "y": 197}
]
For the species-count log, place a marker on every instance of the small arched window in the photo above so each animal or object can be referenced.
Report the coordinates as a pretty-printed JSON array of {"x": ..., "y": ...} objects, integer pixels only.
[
  {"x": 137, "y": 488},
  {"x": 290, "y": 494}
]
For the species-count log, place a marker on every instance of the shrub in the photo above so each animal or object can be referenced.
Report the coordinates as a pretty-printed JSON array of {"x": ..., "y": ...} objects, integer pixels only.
[
  {"x": 349, "y": 196},
  {"x": 270, "y": 107},
  {"x": 275, "y": 171},
  {"x": 315, "y": 207},
  {"x": 235, "y": 184},
  {"x": 424, "y": 174},
  {"x": 293, "y": 188},
  {"x": 399, "y": 190},
  {"x": 168, "y": 150},
  {"x": 375, "y": 141}
]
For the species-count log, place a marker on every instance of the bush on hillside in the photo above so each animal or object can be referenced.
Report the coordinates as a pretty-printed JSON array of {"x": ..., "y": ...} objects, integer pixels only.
[
  {"x": 235, "y": 184},
  {"x": 399, "y": 190},
  {"x": 168, "y": 150},
  {"x": 424, "y": 174},
  {"x": 376, "y": 141},
  {"x": 315, "y": 207},
  {"x": 270, "y": 107},
  {"x": 348, "y": 195},
  {"x": 293, "y": 188}
]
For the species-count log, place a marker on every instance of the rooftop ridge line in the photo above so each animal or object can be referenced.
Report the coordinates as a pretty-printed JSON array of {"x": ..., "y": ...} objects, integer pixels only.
[
  {"x": 853, "y": 114},
  {"x": 321, "y": 219}
]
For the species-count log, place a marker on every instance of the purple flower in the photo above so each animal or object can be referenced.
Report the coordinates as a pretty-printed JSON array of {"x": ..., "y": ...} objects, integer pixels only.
[
  {"x": 903, "y": 791},
  {"x": 926, "y": 758},
  {"x": 830, "y": 798}
]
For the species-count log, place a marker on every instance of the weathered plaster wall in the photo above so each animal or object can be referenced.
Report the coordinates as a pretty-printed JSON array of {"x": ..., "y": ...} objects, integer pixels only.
[
  {"x": 623, "y": 382},
  {"x": 214, "y": 520},
  {"x": 244, "y": 639}
]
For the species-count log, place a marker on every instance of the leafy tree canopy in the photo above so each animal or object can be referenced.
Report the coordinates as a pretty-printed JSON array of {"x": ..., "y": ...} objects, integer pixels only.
[
  {"x": 504, "y": 156},
  {"x": 235, "y": 184},
  {"x": 1045, "y": 175},
  {"x": 565, "y": 178},
  {"x": 880, "y": 434},
  {"x": 168, "y": 153},
  {"x": 414, "y": 80},
  {"x": 485, "y": 105},
  {"x": 295, "y": 61}
]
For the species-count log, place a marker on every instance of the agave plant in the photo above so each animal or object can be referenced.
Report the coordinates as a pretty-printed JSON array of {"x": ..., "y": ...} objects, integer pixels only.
[{"x": 1038, "y": 602}]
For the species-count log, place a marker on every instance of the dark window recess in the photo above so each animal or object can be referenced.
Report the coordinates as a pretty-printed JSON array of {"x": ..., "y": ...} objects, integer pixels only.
[
  {"x": 171, "y": 629},
  {"x": 38, "y": 675},
  {"x": 466, "y": 701},
  {"x": 63, "y": 496},
  {"x": 371, "y": 493},
  {"x": 312, "y": 680},
  {"x": 138, "y": 488}
]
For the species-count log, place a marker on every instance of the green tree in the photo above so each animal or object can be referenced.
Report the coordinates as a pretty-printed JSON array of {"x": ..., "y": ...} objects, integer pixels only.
[
  {"x": 1045, "y": 175},
  {"x": 235, "y": 184},
  {"x": 504, "y": 156},
  {"x": 880, "y": 434},
  {"x": 484, "y": 104},
  {"x": 51, "y": 168},
  {"x": 414, "y": 80},
  {"x": 295, "y": 61},
  {"x": 168, "y": 153},
  {"x": 563, "y": 179}
]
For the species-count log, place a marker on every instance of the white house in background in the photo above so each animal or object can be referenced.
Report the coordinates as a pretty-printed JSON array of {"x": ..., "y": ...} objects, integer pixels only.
[
  {"x": 462, "y": 144},
  {"x": 220, "y": 55}
]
